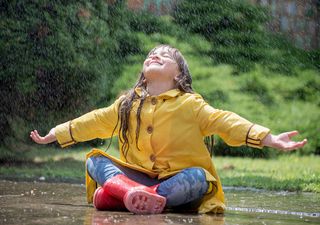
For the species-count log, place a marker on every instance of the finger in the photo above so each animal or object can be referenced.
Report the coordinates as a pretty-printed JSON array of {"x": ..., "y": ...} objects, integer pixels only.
[
  {"x": 292, "y": 133},
  {"x": 36, "y": 138},
  {"x": 305, "y": 141},
  {"x": 295, "y": 145},
  {"x": 34, "y": 135},
  {"x": 299, "y": 144},
  {"x": 38, "y": 135}
]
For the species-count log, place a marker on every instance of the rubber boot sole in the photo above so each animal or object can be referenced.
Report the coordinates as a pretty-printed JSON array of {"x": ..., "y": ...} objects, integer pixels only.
[{"x": 143, "y": 202}]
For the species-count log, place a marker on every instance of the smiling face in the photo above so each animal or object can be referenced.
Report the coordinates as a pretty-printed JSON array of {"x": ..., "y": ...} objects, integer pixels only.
[{"x": 160, "y": 65}]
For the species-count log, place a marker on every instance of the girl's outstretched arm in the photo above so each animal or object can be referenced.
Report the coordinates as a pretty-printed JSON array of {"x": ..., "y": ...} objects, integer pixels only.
[
  {"x": 283, "y": 141},
  {"x": 49, "y": 138}
]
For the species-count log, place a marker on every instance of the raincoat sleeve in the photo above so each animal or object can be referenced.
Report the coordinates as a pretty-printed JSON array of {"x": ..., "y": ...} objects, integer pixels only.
[
  {"x": 99, "y": 123},
  {"x": 232, "y": 128}
]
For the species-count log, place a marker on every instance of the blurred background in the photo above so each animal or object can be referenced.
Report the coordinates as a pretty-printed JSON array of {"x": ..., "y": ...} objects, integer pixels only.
[{"x": 63, "y": 58}]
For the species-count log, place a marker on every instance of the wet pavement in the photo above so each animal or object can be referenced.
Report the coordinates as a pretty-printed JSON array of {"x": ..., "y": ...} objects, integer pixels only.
[{"x": 61, "y": 203}]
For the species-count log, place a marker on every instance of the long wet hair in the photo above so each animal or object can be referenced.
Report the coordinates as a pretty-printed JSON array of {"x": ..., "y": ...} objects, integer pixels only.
[{"x": 182, "y": 82}]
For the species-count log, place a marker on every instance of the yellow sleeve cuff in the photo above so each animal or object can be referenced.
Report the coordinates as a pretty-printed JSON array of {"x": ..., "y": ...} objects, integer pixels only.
[
  {"x": 255, "y": 135},
  {"x": 64, "y": 134}
]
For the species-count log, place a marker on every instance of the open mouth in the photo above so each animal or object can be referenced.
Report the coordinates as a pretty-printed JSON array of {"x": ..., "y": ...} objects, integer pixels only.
[{"x": 155, "y": 62}]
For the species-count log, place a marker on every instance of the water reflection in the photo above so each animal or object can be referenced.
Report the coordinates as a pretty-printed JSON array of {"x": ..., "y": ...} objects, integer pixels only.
[
  {"x": 100, "y": 217},
  {"x": 44, "y": 203}
]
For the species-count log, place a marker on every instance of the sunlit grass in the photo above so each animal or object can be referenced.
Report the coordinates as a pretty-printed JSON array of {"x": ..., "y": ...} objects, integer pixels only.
[
  {"x": 287, "y": 172},
  {"x": 52, "y": 164},
  {"x": 290, "y": 172}
]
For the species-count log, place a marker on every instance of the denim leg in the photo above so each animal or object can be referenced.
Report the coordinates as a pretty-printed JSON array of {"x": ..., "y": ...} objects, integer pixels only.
[
  {"x": 187, "y": 186},
  {"x": 101, "y": 169}
]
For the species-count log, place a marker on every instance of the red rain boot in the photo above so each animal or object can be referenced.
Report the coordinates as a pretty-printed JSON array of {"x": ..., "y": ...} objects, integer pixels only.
[
  {"x": 136, "y": 197},
  {"x": 104, "y": 201}
]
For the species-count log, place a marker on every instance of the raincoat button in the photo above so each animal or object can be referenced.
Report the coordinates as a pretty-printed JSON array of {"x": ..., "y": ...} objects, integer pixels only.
[
  {"x": 152, "y": 157},
  {"x": 153, "y": 101},
  {"x": 149, "y": 129}
]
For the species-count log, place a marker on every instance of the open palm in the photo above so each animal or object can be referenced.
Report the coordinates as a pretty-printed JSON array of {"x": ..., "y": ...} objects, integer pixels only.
[
  {"x": 50, "y": 137},
  {"x": 283, "y": 141}
]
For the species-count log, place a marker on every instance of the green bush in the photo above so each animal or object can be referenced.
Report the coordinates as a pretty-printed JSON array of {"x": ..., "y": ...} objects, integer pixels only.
[
  {"x": 238, "y": 36},
  {"x": 222, "y": 149},
  {"x": 234, "y": 28},
  {"x": 58, "y": 60},
  {"x": 143, "y": 21},
  {"x": 314, "y": 58}
]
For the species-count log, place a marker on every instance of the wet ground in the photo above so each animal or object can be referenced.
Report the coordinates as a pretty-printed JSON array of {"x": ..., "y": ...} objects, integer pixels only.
[{"x": 60, "y": 203}]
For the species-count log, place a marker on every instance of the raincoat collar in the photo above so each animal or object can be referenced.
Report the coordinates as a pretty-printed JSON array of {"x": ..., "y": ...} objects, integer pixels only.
[{"x": 166, "y": 95}]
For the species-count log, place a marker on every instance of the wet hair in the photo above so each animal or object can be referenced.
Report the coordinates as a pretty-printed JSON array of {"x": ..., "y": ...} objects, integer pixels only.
[{"x": 183, "y": 83}]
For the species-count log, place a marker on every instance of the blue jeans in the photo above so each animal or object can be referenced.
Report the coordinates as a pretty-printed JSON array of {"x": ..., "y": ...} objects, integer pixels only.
[{"x": 185, "y": 188}]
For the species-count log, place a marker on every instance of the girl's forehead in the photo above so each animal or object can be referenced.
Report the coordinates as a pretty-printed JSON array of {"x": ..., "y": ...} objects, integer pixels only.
[{"x": 161, "y": 49}]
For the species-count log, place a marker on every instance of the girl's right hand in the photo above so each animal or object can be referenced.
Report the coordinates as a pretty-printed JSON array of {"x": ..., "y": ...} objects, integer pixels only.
[{"x": 49, "y": 138}]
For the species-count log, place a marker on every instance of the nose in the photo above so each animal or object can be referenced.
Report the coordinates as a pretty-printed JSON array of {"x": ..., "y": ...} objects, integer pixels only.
[{"x": 154, "y": 56}]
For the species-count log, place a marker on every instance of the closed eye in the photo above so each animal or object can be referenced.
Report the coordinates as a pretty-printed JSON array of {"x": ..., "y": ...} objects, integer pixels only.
[
  {"x": 167, "y": 55},
  {"x": 163, "y": 54}
]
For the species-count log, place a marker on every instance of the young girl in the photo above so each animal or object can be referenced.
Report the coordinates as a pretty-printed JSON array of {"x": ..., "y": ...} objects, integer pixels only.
[{"x": 161, "y": 124}]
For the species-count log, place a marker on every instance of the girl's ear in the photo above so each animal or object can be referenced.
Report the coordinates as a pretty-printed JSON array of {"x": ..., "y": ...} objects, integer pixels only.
[{"x": 176, "y": 78}]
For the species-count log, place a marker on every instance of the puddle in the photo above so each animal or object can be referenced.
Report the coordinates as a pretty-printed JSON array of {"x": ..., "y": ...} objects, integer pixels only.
[{"x": 60, "y": 203}]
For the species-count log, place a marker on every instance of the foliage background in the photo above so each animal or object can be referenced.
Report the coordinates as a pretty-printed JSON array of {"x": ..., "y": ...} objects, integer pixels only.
[{"x": 60, "y": 59}]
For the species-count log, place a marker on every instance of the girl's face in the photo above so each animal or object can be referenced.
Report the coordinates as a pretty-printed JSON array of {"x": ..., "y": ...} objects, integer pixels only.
[{"x": 160, "y": 65}]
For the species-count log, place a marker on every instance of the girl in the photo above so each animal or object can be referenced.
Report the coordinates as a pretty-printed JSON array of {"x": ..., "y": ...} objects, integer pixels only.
[{"x": 161, "y": 124}]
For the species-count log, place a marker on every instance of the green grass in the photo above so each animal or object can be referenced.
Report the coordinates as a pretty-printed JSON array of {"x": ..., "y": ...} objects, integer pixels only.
[
  {"x": 290, "y": 172},
  {"x": 66, "y": 170},
  {"x": 54, "y": 164},
  {"x": 287, "y": 172}
]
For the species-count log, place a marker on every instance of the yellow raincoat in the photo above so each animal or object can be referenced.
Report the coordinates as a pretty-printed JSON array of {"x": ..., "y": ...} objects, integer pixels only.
[{"x": 173, "y": 126}]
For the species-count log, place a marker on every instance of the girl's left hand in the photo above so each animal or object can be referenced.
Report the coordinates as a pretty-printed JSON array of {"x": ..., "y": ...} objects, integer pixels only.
[
  {"x": 283, "y": 141},
  {"x": 49, "y": 138}
]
